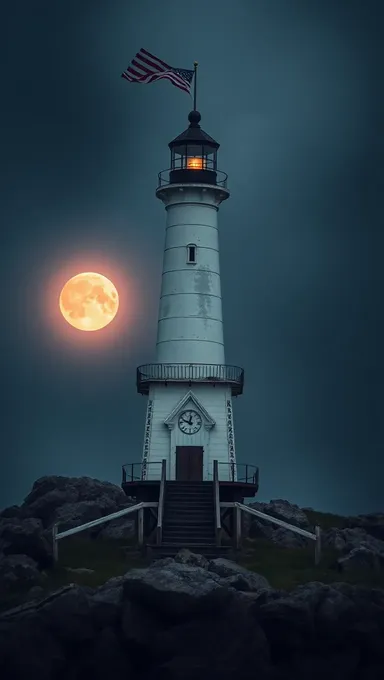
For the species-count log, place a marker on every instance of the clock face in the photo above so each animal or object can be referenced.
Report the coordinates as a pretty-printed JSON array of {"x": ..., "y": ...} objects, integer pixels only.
[{"x": 190, "y": 422}]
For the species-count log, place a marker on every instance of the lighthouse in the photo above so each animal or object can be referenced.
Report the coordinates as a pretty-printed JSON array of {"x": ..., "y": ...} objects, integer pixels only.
[{"x": 189, "y": 418}]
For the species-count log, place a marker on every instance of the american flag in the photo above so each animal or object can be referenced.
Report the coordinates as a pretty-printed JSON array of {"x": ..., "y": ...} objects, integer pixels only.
[{"x": 146, "y": 68}]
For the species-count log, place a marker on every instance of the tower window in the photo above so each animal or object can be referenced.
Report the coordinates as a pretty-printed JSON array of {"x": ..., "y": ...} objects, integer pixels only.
[{"x": 191, "y": 254}]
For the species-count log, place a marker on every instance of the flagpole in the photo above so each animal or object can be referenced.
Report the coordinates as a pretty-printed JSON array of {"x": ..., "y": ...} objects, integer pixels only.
[{"x": 195, "y": 65}]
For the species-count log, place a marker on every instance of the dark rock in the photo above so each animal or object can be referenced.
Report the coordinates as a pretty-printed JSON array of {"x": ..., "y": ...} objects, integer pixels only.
[
  {"x": 17, "y": 572},
  {"x": 346, "y": 540},
  {"x": 104, "y": 658},
  {"x": 36, "y": 593},
  {"x": 25, "y": 537},
  {"x": 45, "y": 507},
  {"x": 176, "y": 591},
  {"x": 12, "y": 511},
  {"x": 286, "y": 538},
  {"x": 318, "y": 619},
  {"x": 215, "y": 647},
  {"x": 69, "y": 616},
  {"x": 236, "y": 576},
  {"x": 72, "y": 515},
  {"x": 256, "y": 527},
  {"x": 139, "y": 626},
  {"x": 372, "y": 523},
  {"x": 287, "y": 512},
  {"x": 118, "y": 529},
  {"x": 75, "y": 489},
  {"x": 73, "y": 500},
  {"x": 362, "y": 558},
  {"x": 106, "y": 603},
  {"x": 32, "y": 651},
  {"x": 184, "y": 618},
  {"x": 68, "y": 501},
  {"x": 185, "y": 556}
]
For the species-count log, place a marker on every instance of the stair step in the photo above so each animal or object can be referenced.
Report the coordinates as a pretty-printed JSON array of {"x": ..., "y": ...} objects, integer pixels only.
[
  {"x": 187, "y": 502},
  {"x": 191, "y": 498},
  {"x": 188, "y": 533},
  {"x": 187, "y": 522},
  {"x": 192, "y": 541},
  {"x": 198, "y": 519},
  {"x": 188, "y": 512},
  {"x": 209, "y": 550},
  {"x": 199, "y": 513}
]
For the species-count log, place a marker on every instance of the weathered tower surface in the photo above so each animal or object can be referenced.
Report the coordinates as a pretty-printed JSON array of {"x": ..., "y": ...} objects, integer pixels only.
[{"x": 189, "y": 420}]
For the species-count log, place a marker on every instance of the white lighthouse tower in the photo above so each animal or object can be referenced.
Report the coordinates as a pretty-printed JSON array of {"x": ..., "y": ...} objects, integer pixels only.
[{"x": 189, "y": 421}]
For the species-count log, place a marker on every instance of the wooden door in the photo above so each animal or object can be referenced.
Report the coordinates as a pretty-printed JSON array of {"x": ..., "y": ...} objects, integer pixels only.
[{"x": 189, "y": 463}]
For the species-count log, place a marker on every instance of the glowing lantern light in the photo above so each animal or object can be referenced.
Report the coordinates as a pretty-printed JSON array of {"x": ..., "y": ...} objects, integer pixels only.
[{"x": 195, "y": 163}]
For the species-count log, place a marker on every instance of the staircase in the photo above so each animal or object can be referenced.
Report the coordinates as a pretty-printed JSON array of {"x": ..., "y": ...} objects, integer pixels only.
[{"x": 188, "y": 521}]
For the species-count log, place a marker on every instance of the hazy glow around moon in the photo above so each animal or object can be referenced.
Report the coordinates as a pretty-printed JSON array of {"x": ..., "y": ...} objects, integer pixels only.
[{"x": 89, "y": 301}]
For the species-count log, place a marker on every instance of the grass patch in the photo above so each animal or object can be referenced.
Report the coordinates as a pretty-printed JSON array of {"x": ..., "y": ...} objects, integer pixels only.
[
  {"x": 284, "y": 568},
  {"x": 287, "y": 568},
  {"x": 106, "y": 559}
]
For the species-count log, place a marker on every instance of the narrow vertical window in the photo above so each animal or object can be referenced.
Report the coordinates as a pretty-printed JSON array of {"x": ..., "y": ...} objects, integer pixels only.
[{"x": 191, "y": 253}]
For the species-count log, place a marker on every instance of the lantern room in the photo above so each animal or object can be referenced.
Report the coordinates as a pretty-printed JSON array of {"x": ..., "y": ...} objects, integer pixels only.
[{"x": 193, "y": 155}]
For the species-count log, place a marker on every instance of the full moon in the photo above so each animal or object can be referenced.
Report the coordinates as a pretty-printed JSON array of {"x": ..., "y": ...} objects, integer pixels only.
[{"x": 89, "y": 301}]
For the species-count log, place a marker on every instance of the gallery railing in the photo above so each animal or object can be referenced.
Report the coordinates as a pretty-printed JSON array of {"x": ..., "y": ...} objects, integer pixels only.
[
  {"x": 226, "y": 472},
  {"x": 137, "y": 472},
  {"x": 190, "y": 373},
  {"x": 238, "y": 472},
  {"x": 219, "y": 178}
]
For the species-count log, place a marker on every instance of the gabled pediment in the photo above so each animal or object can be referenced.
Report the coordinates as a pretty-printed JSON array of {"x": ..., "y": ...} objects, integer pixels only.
[{"x": 189, "y": 401}]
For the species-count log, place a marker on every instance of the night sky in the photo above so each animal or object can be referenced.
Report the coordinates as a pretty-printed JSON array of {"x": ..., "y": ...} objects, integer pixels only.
[{"x": 293, "y": 91}]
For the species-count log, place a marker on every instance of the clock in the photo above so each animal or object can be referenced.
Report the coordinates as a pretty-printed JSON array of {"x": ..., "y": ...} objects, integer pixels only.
[{"x": 190, "y": 422}]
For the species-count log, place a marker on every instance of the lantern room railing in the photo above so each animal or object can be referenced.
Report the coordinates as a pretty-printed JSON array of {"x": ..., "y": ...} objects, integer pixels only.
[
  {"x": 190, "y": 373},
  {"x": 219, "y": 178}
]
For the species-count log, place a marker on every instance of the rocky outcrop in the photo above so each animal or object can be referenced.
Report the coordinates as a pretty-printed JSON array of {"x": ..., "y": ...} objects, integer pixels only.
[
  {"x": 26, "y": 537},
  {"x": 358, "y": 542},
  {"x": 373, "y": 524},
  {"x": 26, "y": 530},
  {"x": 71, "y": 501},
  {"x": 256, "y": 527},
  {"x": 182, "y": 618},
  {"x": 345, "y": 540},
  {"x": 17, "y": 571}
]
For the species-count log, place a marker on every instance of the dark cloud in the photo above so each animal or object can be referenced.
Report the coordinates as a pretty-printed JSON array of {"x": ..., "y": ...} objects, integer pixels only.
[{"x": 293, "y": 92}]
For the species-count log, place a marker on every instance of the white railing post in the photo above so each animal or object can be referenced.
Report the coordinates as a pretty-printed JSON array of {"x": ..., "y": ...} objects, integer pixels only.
[
  {"x": 317, "y": 545},
  {"x": 237, "y": 525},
  {"x": 140, "y": 526},
  {"x": 216, "y": 502},
  {"x": 160, "y": 509},
  {"x": 55, "y": 544}
]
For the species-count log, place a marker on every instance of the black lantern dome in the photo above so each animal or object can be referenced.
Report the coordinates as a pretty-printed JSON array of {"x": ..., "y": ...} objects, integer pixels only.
[{"x": 193, "y": 155}]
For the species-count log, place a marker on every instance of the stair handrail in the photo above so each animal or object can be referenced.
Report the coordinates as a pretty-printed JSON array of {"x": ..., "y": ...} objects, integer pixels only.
[
  {"x": 216, "y": 502},
  {"x": 160, "y": 510},
  {"x": 316, "y": 536},
  {"x": 138, "y": 507}
]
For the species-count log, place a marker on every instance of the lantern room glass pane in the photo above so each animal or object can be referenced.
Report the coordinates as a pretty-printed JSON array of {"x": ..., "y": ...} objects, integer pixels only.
[{"x": 193, "y": 157}]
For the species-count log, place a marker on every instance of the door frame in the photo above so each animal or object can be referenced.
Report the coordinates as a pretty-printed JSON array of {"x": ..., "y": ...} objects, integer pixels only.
[{"x": 200, "y": 451}]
